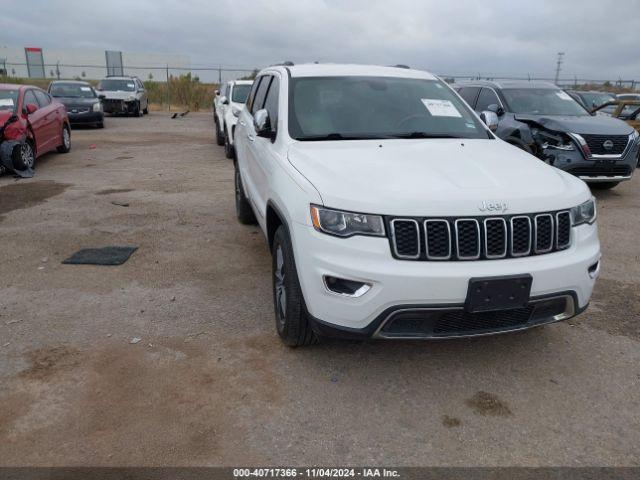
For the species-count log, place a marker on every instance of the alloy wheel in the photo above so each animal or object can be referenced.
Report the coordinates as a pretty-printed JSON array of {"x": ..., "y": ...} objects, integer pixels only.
[{"x": 279, "y": 287}]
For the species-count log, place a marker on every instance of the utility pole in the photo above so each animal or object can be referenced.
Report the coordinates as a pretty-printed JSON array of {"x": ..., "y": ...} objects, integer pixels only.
[
  {"x": 219, "y": 75},
  {"x": 559, "y": 66},
  {"x": 168, "y": 90}
]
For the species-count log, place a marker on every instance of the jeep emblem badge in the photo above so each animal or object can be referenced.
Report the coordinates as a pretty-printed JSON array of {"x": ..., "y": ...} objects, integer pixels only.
[
  {"x": 608, "y": 144},
  {"x": 493, "y": 206}
]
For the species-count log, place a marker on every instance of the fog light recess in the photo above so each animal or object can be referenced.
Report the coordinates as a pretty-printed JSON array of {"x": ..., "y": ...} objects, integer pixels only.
[
  {"x": 594, "y": 270},
  {"x": 347, "y": 288}
]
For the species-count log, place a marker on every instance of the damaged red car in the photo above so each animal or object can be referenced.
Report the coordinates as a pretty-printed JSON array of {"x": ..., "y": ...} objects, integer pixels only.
[{"x": 31, "y": 124}]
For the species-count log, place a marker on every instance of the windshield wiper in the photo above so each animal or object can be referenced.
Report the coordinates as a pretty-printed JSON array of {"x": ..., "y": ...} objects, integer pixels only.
[
  {"x": 339, "y": 136},
  {"x": 422, "y": 135}
]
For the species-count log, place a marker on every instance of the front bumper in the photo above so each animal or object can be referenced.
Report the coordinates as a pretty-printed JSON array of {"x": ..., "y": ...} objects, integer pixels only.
[
  {"x": 82, "y": 118},
  {"x": 596, "y": 169},
  {"x": 119, "y": 106},
  {"x": 423, "y": 285}
]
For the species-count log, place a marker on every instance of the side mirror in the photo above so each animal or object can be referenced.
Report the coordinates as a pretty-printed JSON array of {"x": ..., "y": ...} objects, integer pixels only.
[
  {"x": 490, "y": 119},
  {"x": 224, "y": 100},
  {"x": 102, "y": 97},
  {"x": 216, "y": 92},
  {"x": 31, "y": 108},
  {"x": 262, "y": 124},
  {"x": 497, "y": 109}
]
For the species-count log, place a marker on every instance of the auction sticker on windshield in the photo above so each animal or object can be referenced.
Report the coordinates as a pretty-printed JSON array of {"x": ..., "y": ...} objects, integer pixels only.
[
  {"x": 6, "y": 102},
  {"x": 441, "y": 108}
]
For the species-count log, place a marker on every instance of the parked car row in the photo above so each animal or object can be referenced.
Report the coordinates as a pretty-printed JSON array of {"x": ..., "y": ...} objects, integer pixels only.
[
  {"x": 546, "y": 121},
  {"x": 393, "y": 210},
  {"x": 34, "y": 122},
  {"x": 31, "y": 124},
  {"x": 227, "y": 105}
]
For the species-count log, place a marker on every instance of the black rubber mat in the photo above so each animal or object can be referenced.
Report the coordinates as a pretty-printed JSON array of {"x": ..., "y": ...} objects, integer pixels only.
[{"x": 101, "y": 256}]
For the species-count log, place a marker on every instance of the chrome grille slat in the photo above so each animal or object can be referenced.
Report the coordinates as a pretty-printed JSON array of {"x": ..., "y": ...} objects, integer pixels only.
[
  {"x": 489, "y": 239},
  {"x": 541, "y": 230},
  {"x": 396, "y": 224},
  {"x": 467, "y": 237},
  {"x": 563, "y": 230},
  {"x": 527, "y": 233},
  {"x": 428, "y": 233}
]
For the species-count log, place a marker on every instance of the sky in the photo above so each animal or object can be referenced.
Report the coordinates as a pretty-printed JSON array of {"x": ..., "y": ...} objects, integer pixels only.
[{"x": 601, "y": 39}]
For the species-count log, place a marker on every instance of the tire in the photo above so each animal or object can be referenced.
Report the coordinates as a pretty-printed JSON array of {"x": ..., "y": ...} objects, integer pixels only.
[
  {"x": 243, "y": 207},
  {"x": 228, "y": 148},
  {"x": 100, "y": 124},
  {"x": 292, "y": 319},
  {"x": 26, "y": 158},
  {"x": 66, "y": 140},
  {"x": 138, "y": 111},
  {"x": 145, "y": 111},
  {"x": 219, "y": 135},
  {"x": 603, "y": 185}
]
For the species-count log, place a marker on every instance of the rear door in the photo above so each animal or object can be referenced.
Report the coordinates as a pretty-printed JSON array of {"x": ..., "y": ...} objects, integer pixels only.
[
  {"x": 52, "y": 124},
  {"x": 37, "y": 120}
]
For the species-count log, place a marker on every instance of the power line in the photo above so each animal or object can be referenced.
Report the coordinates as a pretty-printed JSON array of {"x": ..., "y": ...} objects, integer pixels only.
[{"x": 559, "y": 66}]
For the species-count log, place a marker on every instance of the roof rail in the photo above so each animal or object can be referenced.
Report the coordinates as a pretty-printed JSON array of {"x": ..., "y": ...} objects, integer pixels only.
[
  {"x": 286, "y": 63},
  {"x": 400, "y": 65}
]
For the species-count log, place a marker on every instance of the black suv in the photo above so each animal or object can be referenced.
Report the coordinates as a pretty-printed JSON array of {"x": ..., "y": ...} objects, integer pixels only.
[{"x": 545, "y": 121}]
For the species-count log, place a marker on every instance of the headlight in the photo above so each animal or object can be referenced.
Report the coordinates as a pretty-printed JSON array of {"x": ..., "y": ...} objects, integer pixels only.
[
  {"x": 97, "y": 107},
  {"x": 585, "y": 213},
  {"x": 131, "y": 98},
  {"x": 635, "y": 136},
  {"x": 346, "y": 224},
  {"x": 236, "y": 111}
]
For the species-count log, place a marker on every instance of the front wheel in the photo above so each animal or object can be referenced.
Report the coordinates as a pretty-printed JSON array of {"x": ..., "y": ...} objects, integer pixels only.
[
  {"x": 292, "y": 320},
  {"x": 603, "y": 185},
  {"x": 24, "y": 158},
  {"x": 66, "y": 140}
]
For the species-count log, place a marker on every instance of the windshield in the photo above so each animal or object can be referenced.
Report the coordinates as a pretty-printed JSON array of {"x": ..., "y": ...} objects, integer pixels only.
[
  {"x": 340, "y": 108},
  {"x": 240, "y": 93},
  {"x": 113, "y": 85},
  {"x": 542, "y": 101},
  {"x": 72, "y": 90},
  {"x": 593, "y": 100},
  {"x": 8, "y": 100}
]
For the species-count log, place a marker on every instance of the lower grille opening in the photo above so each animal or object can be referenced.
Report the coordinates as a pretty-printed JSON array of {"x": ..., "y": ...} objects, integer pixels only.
[{"x": 426, "y": 323}]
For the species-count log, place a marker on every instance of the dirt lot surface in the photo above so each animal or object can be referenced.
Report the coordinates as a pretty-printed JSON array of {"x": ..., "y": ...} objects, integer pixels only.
[{"x": 209, "y": 383}]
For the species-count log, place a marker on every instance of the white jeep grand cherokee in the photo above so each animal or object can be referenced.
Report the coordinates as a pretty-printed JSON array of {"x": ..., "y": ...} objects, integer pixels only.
[{"x": 392, "y": 211}]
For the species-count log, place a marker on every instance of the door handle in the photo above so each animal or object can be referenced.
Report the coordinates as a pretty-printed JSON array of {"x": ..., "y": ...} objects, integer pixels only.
[
  {"x": 243, "y": 123},
  {"x": 251, "y": 137}
]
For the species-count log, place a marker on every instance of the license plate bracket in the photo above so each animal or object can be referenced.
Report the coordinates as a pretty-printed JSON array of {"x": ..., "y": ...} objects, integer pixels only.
[{"x": 498, "y": 293}]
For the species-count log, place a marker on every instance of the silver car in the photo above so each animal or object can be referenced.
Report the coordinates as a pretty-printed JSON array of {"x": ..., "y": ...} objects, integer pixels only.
[{"x": 123, "y": 95}]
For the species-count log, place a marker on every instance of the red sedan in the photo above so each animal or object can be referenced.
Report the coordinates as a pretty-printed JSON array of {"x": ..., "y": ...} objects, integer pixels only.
[{"x": 31, "y": 124}]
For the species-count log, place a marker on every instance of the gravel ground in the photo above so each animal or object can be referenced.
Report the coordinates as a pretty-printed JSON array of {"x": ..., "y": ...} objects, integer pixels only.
[{"x": 209, "y": 383}]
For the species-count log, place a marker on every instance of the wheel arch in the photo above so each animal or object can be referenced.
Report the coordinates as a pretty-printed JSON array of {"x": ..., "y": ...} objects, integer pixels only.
[{"x": 274, "y": 218}]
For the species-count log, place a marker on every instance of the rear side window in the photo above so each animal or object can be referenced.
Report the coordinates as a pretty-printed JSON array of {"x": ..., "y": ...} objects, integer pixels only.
[
  {"x": 29, "y": 97},
  {"x": 469, "y": 94},
  {"x": 261, "y": 93},
  {"x": 271, "y": 102},
  {"x": 487, "y": 97},
  {"x": 43, "y": 98}
]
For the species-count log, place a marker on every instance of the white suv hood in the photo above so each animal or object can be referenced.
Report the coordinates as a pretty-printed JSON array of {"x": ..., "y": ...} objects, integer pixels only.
[{"x": 433, "y": 177}]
